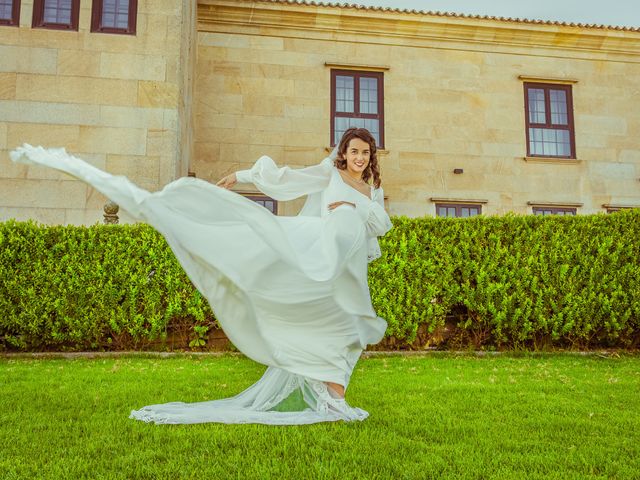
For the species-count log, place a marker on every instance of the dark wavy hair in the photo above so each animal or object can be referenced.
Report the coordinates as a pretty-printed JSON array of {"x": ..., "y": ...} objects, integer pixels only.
[{"x": 363, "y": 134}]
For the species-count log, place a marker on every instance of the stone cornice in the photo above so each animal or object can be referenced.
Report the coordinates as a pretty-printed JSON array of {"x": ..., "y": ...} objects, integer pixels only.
[
  {"x": 457, "y": 200},
  {"x": 424, "y": 30},
  {"x": 562, "y": 81}
]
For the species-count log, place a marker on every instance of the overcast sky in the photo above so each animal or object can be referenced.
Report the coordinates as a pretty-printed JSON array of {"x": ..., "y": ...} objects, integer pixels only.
[{"x": 610, "y": 12}]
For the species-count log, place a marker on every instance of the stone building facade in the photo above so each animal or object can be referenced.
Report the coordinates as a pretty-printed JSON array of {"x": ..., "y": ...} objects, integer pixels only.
[
  {"x": 472, "y": 114},
  {"x": 121, "y": 101}
]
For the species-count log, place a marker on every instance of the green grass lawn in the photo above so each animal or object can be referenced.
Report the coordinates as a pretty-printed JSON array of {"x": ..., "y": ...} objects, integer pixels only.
[{"x": 437, "y": 416}]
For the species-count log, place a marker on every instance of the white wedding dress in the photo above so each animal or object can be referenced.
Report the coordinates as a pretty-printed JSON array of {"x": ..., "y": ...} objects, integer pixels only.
[{"x": 289, "y": 292}]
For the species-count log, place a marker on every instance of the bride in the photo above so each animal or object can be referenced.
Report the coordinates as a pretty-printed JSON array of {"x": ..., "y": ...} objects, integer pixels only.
[{"x": 290, "y": 292}]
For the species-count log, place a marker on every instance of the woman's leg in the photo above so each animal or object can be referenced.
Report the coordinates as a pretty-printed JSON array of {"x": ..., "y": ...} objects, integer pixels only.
[{"x": 337, "y": 388}]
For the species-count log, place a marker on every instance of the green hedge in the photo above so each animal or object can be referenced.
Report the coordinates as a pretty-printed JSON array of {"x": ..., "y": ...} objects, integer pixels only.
[
  {"x": 486, "y": 282},
  {"x": 514, "y": 281}
]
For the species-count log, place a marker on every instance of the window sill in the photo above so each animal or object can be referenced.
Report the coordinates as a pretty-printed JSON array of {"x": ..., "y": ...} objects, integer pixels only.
[{"x": 559, "y": 161}]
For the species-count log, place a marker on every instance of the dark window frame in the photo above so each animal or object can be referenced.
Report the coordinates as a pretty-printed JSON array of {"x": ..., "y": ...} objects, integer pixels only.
[
  {"x": 459, "y": 207},
  {"x": 554, "y": 210},
  {"x": 14, "y": 21},
  {"x": 357, "y": 74},
  {"x": 618, "y": 209},
  {"x": 96, "y": 19},
  {"x": 38, "y": 17},
  {"x": 548, "y": 125},
  {"x": 256, "y": 197}
]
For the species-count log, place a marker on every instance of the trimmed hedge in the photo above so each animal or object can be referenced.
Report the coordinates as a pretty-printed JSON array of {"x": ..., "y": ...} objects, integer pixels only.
[
  {"x": 91, "y": 288},
  {"x": 515, "y": 281},
  {"x": 486, "y": 282}
]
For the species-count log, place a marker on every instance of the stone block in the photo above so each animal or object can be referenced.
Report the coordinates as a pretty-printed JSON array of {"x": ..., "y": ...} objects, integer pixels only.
[
  {"x": 78, "y": 63},
  {"x": 46, "y": 112},
  {"x": 7, "y": 86},
  {"x": 223, "y": 40},
  {"x": 49, "y": 216},
  {"x": 168, "y": 170},
  {"x": 124, "y": 141},
  {"x": 10, "y": 170},
  {"x": 138, "y": 168},
  {"x": 132, "y": 66},
  {"x": 131, "y": 117},
  {"x": 209, "y": 103},
  {"x": 61, "y": 89},
  {"x": 157, "y": 94},
  {"x": 170, "y": 119},
  {"x": 21, "y": 193},
  {"x": 47, "y": 135},
  {"x": 173, "y": 69},
  {"x": 160, "y": 142},
  {"x": 85, "y": 217},
  {"x": 19, "y": 59},
  {"x": 48, "y": 38},
  {"x": 263, "y": 105}
]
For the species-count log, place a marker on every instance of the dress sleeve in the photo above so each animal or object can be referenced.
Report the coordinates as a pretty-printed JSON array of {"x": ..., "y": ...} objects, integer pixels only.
[
  {"x": 286, "y": 183},
  {"x": 374, "y": 215}
]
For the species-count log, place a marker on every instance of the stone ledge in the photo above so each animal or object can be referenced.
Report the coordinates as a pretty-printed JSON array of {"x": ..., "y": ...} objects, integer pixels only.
[
  {"x": 458, "y": 200},
  {"x": 554, "y": 204},
  {"x": 556, "y": 160},
  {"x": 562, "y": 81},
  {"x": 356, "y": 66}
]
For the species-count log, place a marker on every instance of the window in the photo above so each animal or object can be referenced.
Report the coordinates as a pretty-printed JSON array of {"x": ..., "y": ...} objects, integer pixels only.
[
  {"x": 267, "y": 202},
  {"x": 553, "y": 211},
  {"x": 10, "y": 12},
  {"x": 549, "y": 120},
  {"x": 457, "y": 210},
  {"x": 618, "y": 209},
  {"x": 357, "y": 101},
  {"x": 56, "y": 14},
  {"x": 114, "y": 16}
]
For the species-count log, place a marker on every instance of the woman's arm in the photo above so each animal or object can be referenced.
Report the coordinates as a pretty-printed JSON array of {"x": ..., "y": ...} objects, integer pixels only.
[
  {"x": 374, "y": 215},
  {"x": 286, "y": 183}
]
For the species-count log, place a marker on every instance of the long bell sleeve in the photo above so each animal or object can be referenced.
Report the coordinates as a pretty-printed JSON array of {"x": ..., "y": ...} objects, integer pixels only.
[
  {"x": 286, "y": 183},
  {"x": 374, "y": 215}
]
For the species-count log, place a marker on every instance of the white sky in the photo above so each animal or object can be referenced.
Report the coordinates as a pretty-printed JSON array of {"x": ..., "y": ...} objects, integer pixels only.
[{"x": 609, "y": 12}]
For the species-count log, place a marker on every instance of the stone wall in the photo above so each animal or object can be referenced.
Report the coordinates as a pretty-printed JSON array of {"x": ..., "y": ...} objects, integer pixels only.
[
  {"x": 255, "y": 80},
  {"x": 117, "y": 101},
  {"x": 454, "y": 98}
]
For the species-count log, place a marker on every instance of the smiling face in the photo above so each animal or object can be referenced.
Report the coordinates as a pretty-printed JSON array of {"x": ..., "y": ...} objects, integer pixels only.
[{"x": 357, "y": 156}]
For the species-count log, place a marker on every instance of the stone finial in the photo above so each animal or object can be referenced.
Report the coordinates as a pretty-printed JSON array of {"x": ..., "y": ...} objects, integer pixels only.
[{"x": 111, "y": 213}]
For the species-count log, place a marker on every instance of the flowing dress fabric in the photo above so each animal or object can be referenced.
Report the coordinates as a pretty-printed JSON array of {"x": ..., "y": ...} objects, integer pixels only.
[{"x": 289, "y": 292}]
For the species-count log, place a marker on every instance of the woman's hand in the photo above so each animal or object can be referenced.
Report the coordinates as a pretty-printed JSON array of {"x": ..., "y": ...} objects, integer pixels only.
[
  {"x": 228, "y": 181},
  {"x": 337, "y": 204}
]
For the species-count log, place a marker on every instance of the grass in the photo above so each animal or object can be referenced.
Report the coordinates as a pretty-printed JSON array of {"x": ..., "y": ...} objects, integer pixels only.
[{"x": 438, "y": 416}]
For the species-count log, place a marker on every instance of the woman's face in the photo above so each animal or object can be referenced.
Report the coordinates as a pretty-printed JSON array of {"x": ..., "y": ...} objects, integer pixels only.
[{"x": 357, "y": 156}]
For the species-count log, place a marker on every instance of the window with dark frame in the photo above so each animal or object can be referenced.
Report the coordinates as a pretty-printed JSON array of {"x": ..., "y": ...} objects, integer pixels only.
[
  {"x": 357, "y": 100},
  {"x": 549, "y": 120},
  {"x": 554, "y": 211},
  {"x": 267, "y": 202},
  {"x": 56, "y": 14},
  {"x": 457, "y": 210},
  {"x": 619, "y": 209},
  {"x": 114, "y": 16},
  {"x": 10, "y": 12}
]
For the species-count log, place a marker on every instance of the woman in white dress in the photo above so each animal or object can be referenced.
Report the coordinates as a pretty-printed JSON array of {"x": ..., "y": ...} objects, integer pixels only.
[{"x": 289, "y": 292}]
